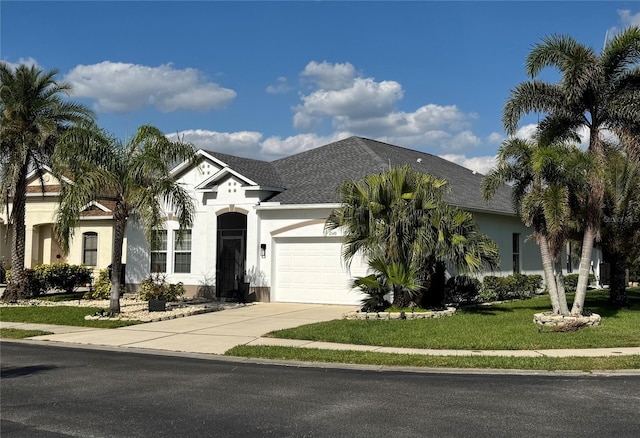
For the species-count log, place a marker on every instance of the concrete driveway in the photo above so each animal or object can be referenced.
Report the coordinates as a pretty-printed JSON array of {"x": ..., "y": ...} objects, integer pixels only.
[{"x": 213, "y": 333}]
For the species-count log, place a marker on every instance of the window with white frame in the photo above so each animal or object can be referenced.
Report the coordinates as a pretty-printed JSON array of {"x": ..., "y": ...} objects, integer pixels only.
[
  {"x": 182, "y": 252},
  {"x": 159, "y": 251},
  {"x": 90, "y": 248}
]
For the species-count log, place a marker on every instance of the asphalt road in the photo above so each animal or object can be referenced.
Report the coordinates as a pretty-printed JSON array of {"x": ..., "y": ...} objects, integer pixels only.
[{"x": 51, "y": 391}]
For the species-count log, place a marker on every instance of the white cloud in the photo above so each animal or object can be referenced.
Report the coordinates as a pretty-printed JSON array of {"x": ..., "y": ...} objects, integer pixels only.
[
  {"x": 280, "y": 87},
  {"x": 527, "y": 132},
  {"x": 478, "y": 164},
  {"x": 495, "y": 138},
  {"x": 242, "y": 143},
  {"x": 365, "y": 98},
  {"x": 629, "y": 19},
  {"x": 366, "y": 107},
  {"x": 250, "y": 144},
  {"x": 329, "y": 76},
  {"x": 120, "y": 87},
  {"x": 276, "y": 146},
  {"x": 26, "y": 61}
]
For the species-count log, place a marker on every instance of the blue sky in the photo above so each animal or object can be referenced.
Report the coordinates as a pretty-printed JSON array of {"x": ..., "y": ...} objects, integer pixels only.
[{"x": 269, "y": 79}]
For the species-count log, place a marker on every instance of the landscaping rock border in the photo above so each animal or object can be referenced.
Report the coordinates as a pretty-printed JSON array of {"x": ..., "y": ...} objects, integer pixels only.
[
  {"x": 548, "y": 319},
  {"x": 384, "y": 316}
]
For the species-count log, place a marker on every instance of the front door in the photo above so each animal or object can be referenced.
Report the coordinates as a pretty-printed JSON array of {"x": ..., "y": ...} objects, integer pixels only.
[{"x": 231, "y": 267}]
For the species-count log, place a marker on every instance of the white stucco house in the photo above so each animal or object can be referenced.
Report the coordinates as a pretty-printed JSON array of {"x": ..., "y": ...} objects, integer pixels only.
[{"x": 264, "y": 222}]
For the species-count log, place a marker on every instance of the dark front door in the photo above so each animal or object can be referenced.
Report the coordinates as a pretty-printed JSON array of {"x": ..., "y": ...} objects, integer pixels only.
[
  {"x": 231, "y": 253},
  {"x": 231, "y": 264}
]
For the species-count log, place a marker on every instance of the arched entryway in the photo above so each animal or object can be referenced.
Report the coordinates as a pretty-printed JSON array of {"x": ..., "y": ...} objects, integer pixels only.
[{"x": 231, "y": 253}]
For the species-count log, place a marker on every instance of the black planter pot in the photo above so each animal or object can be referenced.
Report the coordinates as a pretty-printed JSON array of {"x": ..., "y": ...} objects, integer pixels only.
[{"x": 157, "y": 305}]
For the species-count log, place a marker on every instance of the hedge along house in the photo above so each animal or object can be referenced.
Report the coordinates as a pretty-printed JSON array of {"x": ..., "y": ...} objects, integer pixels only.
[
  {"x": 262, "y": 223},
  {"x": 93, "y": 238}
]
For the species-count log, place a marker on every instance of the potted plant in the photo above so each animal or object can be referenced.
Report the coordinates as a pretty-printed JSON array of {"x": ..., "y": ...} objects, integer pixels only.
[{"x": 158, "y": 291}]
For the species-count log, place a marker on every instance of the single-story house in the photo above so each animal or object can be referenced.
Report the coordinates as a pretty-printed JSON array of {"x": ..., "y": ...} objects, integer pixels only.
[{"x": 262, "y": 223}]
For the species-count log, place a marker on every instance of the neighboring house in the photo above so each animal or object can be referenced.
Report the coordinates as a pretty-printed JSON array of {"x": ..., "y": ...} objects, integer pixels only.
[
  {"x": 263, "y": 223},
  {"x": 92, "y": 241}
]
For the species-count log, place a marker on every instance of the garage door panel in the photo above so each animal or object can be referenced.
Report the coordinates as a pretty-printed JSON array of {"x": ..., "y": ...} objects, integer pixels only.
[{"x": 310, "y": 270}]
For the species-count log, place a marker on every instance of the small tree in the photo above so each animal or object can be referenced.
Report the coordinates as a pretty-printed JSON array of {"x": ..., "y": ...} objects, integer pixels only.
[
  {"x": 399, "y": 220},
  {"x": 135, "y": 175}
]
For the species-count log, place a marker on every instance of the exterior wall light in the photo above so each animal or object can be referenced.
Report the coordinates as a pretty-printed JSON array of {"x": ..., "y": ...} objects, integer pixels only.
[{"x": 263, "y": 250}]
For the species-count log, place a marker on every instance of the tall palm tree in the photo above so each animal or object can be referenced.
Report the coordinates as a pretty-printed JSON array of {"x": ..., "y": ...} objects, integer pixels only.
[
  {"x": 135, "y": 175},
  {"x": 545, "y": 181},
  {"x": 400, "y": 217},
  {"x": 596, "y": 92},
  {"x": 33, "y": 114},
  {"x": 620, "y": 229}
]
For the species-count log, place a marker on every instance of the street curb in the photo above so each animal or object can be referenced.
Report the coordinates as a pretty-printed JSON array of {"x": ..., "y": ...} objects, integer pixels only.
[{"x": 327, "y": 365}]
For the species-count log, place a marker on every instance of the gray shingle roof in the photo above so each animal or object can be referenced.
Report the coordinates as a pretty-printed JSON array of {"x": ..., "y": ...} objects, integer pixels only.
[
  {"x": 312, "y": 176},
  {"x": 261, "y": 172}
]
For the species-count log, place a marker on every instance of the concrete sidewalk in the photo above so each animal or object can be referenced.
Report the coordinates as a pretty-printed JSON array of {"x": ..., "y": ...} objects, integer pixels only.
[{"x": 217, "y": 332}]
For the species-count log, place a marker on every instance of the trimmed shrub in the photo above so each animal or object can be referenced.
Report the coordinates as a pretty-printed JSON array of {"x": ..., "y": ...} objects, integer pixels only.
[
  {"x": 36, "y": 285},
  {"x": 101, "y": 289},
  {"x": 511, "y": 287},
  {"x": 462, "y": 290},
  {"x": 62, "y": 276},
  {"x": 156, "y": 287},
  {"x": 571, "y": 281}
]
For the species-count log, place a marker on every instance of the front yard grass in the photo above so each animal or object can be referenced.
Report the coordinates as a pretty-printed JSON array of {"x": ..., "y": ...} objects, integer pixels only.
[
  {"x": 59, "y": 315},
  {"x": 505, "y": 326},
  {"x": 11, "y": 333},
  {"x": 418, "y": 360}
]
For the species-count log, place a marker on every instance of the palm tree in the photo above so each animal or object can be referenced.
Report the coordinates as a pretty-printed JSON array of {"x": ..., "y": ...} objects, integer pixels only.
[
  {"x": 545, "y": 181},
  {"x": 134, "y": 175},
  {"x": 33, "y": 115},
  {"x": 620, "y": 230},
  {"x": 596, "y": 92},
  {"x": 400, "y": 217}
]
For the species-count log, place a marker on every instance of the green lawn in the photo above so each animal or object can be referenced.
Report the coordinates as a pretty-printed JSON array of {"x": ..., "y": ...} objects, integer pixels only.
[
  {"x": 388, "y": 359},
  {"x": 507, "y": 326},
  {"x": 11, "y": 333},
  {"x": 59, "y": 315}
]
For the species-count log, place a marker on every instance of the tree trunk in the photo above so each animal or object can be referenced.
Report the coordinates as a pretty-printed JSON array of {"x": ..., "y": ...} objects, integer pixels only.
[
  {"x": 549, "y": 277},
  {"x": 583, "y": 271},
  {"x": 119, "y": 228},
  {"x": 562, "y": 294},
  {"x": 18, "y": 288},
  {"x": 618, "y": 284},
  {"x": 398, "y": 297}
]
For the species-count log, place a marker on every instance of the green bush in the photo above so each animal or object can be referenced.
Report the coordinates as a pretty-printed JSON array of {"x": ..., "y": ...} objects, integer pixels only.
[
  {"x": 462, "y": 290},
  {"x": 511, "y": 287},
  {"x": 36, "y": 284},
  {"x": 58, "y": 276},
  {"x": 62, "y": 276},
  {"x": 101, "y": 289},
  {"x": 374, "y": 300},
  {"x": 156, "y": 287},
  {"x": 571, "y": 281}
]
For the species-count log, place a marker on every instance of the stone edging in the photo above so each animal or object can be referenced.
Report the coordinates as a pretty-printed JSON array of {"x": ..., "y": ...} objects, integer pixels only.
[
  {"x": 450, "y": 311},
  {"x": 162, "y": 316},
  {"x": 551, "y": 319}
]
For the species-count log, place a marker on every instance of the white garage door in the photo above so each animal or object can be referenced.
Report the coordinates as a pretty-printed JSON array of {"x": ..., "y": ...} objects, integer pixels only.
[{"x": 310, "y": 270}]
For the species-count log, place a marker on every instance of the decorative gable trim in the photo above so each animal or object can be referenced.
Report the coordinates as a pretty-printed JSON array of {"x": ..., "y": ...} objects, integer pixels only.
[
  {"x": 95, "y": 204},
  {"x": 222, "y": 173}
]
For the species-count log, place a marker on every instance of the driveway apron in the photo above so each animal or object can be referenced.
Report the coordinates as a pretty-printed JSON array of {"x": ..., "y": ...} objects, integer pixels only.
[{"x": 212, "y": 333}]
